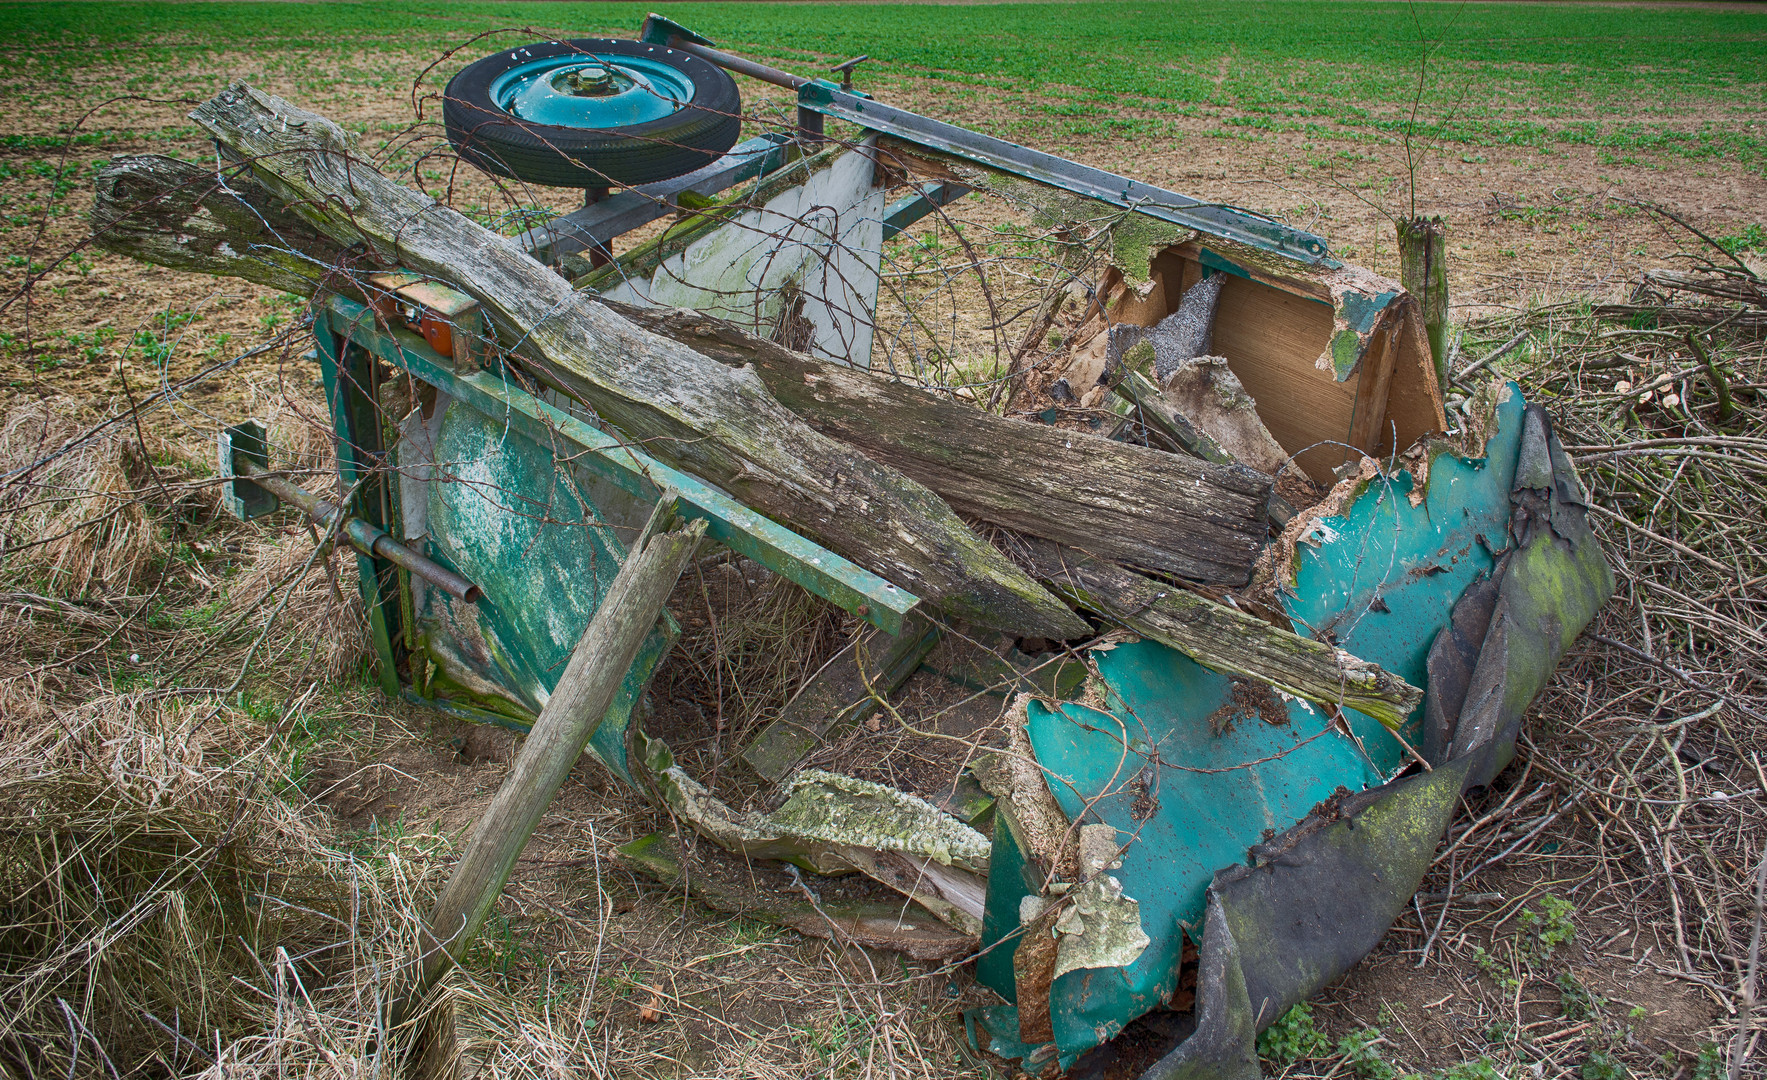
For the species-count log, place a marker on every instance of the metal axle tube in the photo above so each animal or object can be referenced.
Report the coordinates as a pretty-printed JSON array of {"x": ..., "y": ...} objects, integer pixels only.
[{"x": 366, "y": 538}]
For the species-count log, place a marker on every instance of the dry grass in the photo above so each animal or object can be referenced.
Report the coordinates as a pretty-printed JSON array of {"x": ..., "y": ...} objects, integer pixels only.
[
  {"x": 749, "y": 641},
  {"x": 147, "y": 864},
  {"x": 84, "y": 517}
]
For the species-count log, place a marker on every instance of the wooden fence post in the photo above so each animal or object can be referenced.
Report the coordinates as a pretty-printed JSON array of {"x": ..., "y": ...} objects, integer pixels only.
[{"x": 1423, "y": 270}]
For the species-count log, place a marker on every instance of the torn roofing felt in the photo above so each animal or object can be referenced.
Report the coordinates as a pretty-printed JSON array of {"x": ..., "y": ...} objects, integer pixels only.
[{"x": 1284, "y": 843}]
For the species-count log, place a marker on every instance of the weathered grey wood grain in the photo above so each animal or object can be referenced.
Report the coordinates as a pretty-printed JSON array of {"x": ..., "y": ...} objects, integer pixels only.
[
  {"x": 1126, "y": 502},
  {"x": 1222, "y": 638},
  {"x": 718, "y": 423},
  {"x": 179, "y": 214},
  {"x": 1197, "y": 519}
]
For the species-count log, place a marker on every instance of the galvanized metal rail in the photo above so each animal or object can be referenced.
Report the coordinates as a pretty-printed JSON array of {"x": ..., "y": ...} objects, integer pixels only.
[
  {"x": 1228, "y": 222},
  {"x": 596, "y": 225},
  {"x": 362, "y": 536},
  {"x": 820, "y": 97}
]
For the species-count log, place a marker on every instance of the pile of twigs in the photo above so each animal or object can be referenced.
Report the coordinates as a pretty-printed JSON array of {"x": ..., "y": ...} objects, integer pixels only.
[{"x": 1643, "y": 767}]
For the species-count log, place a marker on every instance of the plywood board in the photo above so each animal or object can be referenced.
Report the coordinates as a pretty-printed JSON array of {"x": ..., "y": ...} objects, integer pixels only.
[
  {"x": 1414, "y": 400},
  {"x": 1271, "y": 340},
  {"x": 1370, "y": 428}
]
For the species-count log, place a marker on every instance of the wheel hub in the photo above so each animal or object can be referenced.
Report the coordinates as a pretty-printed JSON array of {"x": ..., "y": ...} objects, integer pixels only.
[
  {"x": 591, "y": 91},
  {"x": 591, "y": 80}
]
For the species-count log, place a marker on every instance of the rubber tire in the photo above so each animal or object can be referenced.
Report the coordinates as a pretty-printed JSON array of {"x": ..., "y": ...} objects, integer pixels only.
[{"x": 492, "y": 139}]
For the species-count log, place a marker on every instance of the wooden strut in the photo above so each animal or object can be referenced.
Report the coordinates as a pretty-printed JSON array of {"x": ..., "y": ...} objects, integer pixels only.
[
  {"x": 578, "y": 703},
  {"x": 1222, "y": 638},
  {"x": 697, "y": 414}
]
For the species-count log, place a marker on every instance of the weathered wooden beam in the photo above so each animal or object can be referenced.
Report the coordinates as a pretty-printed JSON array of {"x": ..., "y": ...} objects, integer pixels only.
[
  {"x": 579, "y": 701},
  {"x": 1222, "y": 638},
  {"x": 182, "y": 215},
  {"x": 1423, "y": 270},
  {"x": 1125, "y": 502},
  {"x": 1197, "y": 519},
  {"x": 718, "y": 423}
]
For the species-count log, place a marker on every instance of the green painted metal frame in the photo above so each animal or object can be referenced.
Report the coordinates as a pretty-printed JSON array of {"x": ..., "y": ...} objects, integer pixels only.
[
  {"x": 494, "y": 393},
  {"x": 351, "y": 381},
  {"x": 909, "y": 209}
]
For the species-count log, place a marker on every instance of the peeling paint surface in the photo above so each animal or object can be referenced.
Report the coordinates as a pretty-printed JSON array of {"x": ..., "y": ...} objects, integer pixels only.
[
  {"x": 1150, "y": 756},
  {"x": 514, "y": 521},
  {"x": 1150, "y": 765},
  {"x": 1412, "y": 560},
  {"x": 1099, "y": 927}
]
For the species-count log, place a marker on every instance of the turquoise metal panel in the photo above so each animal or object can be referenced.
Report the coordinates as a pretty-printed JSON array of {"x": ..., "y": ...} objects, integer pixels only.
[
  {"x": 1145, "y": 755},
  {"x": 1152, "y": 765},
  {"x": 729, "y": 522},
  {"x": 506, "y": 514},
  {"x": 510, "y": 517},
  {"x": 1383, "y": 577},
  {"x": 1010, "y": 877}
]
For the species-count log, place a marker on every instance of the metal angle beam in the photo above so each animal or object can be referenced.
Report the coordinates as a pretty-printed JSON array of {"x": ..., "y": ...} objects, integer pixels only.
[
  {"x": 598, "y": 223},
  {"x": 729, "y": 522},
  {"x": 1211, "y": 218},
  {"x": 911, "y": 208}
]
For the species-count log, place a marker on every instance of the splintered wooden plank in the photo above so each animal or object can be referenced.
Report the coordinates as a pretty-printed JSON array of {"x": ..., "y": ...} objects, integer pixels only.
[
  {"x": 1225, "y": 639},
  {"x": 1181, "y": 515}
]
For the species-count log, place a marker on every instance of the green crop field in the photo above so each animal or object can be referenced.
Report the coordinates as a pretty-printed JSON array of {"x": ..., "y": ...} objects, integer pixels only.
[{"x": 1685, "y": 82}]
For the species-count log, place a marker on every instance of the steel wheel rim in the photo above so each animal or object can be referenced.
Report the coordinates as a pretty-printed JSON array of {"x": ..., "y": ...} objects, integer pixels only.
[{"x": 592, "y": 91}]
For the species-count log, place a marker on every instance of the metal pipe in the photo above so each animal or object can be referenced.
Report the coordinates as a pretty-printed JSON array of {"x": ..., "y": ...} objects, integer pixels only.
[
  {"x": 810, "y": 122},
  {"x": 366, "y": 538},
  {"x": 737, "y": 63}
]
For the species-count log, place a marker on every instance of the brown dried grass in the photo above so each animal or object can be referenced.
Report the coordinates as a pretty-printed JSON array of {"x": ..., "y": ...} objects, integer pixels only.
[
  {"x": 83, "y": 520},
  {"x": 146, "y": 865}
]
